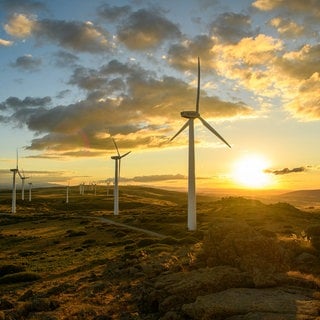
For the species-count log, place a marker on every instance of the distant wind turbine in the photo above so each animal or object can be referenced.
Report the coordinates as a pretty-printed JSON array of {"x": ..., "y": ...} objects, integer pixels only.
[
  {"x": 191, "y": 116},
  {"x": 67, "y": 193},
  {"x": 14, "y": 187},
  {"x": 117, "y": 159},
  {"x": 23, "y": 178},
  {"x": 30, "y": 191}
]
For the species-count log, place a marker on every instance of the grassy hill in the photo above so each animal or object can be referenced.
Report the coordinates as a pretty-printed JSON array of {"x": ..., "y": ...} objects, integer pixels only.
[{"x": 248, "y": 259}]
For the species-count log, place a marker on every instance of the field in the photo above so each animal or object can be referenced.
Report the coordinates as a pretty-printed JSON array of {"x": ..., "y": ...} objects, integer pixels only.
[{"x": 248, "y": 260}]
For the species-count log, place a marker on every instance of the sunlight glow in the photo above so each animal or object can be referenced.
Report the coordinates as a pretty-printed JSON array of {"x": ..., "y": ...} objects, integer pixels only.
[{"x": 249, "y": 172}]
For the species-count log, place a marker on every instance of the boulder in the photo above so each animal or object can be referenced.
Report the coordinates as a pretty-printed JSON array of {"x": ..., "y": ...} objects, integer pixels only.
[
  {"x": 189, "y": 285},
  {"x": 289, "y": 303}
]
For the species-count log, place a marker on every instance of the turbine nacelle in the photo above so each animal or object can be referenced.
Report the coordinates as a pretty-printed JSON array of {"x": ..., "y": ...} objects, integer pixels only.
[{"x": 190, "y": 114}]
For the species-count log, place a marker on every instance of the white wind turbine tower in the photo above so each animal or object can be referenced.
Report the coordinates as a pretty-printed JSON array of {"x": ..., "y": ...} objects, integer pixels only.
[
  {"x": 30, "y": 190},
  {"x": 23, "y": 178},
  {"x": 191, "y": 116},
  {"x": 14, "y": 187},
  {"x": 117, "y": 159},
  {"x": 67, "y": 193}
]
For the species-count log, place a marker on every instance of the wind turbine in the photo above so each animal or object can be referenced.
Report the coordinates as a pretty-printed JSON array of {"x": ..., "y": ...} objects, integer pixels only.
[
  {"x": 23, "y": 178},
  {"x": 30, "y": 190},
  {"x": 191, "y": 116},
  {"x": 117, "y": 159},
  {"x": 67, "y": 193},
  {"x": 14, "y": 187}
]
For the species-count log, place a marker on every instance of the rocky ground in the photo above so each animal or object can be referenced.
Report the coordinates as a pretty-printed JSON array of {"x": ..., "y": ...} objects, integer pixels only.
[{"x": 248, "y": 260}]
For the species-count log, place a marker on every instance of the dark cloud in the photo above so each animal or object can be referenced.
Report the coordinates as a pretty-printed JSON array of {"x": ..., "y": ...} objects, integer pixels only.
[
  {"x": 78, "y": 36},
  {"x": 27, "y": 63},
  {"x": 16, "y": 103},
  {"x": 62, "y": 94},
  {"x": 131, "y": 103},
  {"x": 232, "y": 27},
  {"x": 286, "y": 171},
  {"x": 111, "y": 77},
  {"x": 184, "y": 56},
  {"x": 146, "y": 29},
  {"x": 88, "y": 79},
  {"x": 22, "y": 5},
  {"x": 65, "y": 59},
  {"x": 113, "y": 13}
]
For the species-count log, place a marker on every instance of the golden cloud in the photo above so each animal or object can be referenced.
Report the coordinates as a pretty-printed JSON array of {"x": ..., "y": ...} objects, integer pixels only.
[
  {"x": 306, "y": 103},
  {"x": 20, "y": 26},
  {"x": 287, "y": 27},
  {"x": 5, "y": 43}
]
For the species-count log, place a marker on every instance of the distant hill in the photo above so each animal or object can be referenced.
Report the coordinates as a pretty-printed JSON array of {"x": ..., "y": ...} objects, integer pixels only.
[{"x": 304, "y": 198}]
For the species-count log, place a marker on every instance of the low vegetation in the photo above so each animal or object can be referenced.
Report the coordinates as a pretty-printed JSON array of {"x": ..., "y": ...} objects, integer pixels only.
[{"x": 68, "y": 261}]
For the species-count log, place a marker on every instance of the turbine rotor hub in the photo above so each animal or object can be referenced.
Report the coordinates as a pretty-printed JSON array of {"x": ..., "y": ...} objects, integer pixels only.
[{"x": 190, "y": 114}]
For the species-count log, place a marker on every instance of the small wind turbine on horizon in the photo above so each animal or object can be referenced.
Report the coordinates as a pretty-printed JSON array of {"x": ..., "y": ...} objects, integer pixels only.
[
  {"x": 14, "y": 187},
  {"x": 23, "y": 178},
  {"x": 191, "y": 116},
  {"x": 30, "y": 191},
  {"x": 67, "y": 193},
  {"x": 117, "y": 159}
]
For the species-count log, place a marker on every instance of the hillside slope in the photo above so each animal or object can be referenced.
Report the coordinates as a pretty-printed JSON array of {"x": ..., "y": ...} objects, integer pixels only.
[{"x": 248, "y": 260}]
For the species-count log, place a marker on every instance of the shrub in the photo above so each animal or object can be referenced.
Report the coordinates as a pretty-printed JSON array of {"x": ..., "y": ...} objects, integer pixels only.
[
  {"x": 238, "y": 245},
  {"x": 73, "y": 233},
  {"x": 313, "y": 233}
]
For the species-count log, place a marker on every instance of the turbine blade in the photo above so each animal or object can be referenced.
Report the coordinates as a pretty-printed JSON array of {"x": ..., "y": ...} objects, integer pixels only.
[
  {"x": 124, "y": 155},
  {"x": 20, "y": 175},
  {"x": 119, "y": 169},
  {"x": 207, "y": 125},
  {"x": 183, "y": 127},
  {"x": 198, "y": 89},
  {"x": 114, "y": 142}
]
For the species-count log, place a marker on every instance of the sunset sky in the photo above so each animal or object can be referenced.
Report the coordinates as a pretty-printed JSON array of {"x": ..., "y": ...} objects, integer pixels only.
[{"x": 76, "y": 72}]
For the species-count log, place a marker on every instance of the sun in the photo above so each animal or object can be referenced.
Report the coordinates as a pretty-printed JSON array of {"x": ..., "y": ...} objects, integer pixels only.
[{"x": 250, "y": 172}]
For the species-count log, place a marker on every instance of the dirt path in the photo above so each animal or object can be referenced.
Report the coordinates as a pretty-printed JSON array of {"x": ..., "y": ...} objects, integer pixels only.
[{"x": 122, "y": 225}]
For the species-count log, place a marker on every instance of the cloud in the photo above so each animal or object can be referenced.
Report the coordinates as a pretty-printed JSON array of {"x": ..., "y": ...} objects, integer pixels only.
[
  {"x": 250, "y": 62},
  {"x": 296, "y": 6},
  {"x": 306, "y": 104},
  {"x": 16, "y": 103},
  {"x": 232, "y": 27},
  {"x": 138, "y": 108},
  {"x": 287, "y": 27},
  {"x": 75, "y": 35},
  {"x": 27, "y": 63},
  {"x": 65, "y": 59},
  {"x": 20, "y": 26},
  {"x": 146, "y": 29},
  {"x": 5, "y": 43},
  {"x": 286, "y": 171},
  {"x": 183, "y": 56},
  {"x": 78, "y": 36},
  {"x": 22, "y": 5},
  {"x": 113, "y": 13},
  {"x": 300, "y": 64}
]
